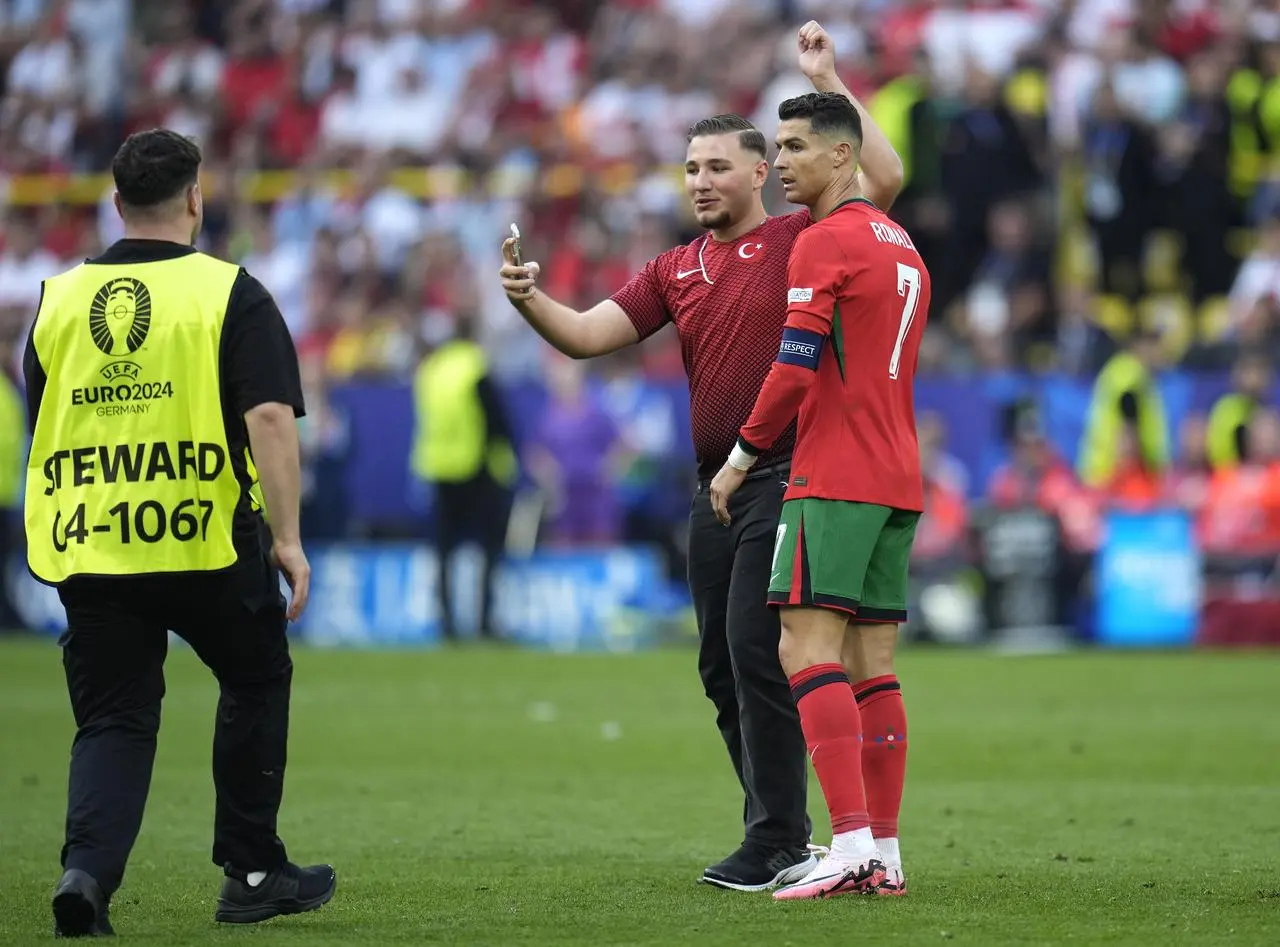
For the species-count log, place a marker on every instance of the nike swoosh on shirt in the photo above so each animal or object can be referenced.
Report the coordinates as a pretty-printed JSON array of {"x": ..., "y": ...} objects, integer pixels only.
[{"x": 688, "y": 273}]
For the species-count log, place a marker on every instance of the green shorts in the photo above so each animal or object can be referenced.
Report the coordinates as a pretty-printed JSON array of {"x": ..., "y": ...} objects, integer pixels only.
[{"x": 851, "y": 557}]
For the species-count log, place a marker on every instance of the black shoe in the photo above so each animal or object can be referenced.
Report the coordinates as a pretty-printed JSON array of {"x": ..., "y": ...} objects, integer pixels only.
[
  {"x": 755, "y": 868},
  {"x": 79, "y": 907},
  {"x": 287, "y": 890}
]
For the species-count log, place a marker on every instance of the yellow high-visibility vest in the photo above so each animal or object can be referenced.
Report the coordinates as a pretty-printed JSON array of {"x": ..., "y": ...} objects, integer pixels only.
[
  {"x": 13, "y": 428},
  {"x": 451, "y": 439},
  {"x": 130, "y": 471},
  {"x": 1229, "y": 413},
  {"x": 1099, "y": 451},
  {"x": 891, "y": 108}
]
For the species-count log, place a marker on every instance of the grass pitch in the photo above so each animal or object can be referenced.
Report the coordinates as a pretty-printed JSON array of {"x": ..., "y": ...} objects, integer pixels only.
[{"x": 507, "y": 798}]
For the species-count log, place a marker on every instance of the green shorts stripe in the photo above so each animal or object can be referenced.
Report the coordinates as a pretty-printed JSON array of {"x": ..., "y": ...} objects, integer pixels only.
[{"x": 849, "y": 557}]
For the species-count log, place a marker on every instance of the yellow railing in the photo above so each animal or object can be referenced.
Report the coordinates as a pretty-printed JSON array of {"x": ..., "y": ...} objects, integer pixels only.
[{"x": 261, "y": 187}]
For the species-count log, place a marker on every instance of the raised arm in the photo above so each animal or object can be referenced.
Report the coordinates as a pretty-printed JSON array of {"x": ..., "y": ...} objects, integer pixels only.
[
  {"x": 881, "y": 172},
  {"x": 602, "y": 329}
]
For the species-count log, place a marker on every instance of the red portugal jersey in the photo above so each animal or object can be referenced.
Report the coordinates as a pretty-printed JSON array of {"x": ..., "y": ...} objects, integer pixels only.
[
  {"x": 856, "y": 310},
  {"x": 728, "y": 302}
]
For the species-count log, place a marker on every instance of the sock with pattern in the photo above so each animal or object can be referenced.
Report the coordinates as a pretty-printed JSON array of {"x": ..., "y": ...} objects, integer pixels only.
[{"x": 884, "y": 751}]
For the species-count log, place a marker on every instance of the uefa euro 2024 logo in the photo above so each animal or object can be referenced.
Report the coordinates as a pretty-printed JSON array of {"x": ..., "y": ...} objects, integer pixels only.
[{"x": 120, "y": 317}]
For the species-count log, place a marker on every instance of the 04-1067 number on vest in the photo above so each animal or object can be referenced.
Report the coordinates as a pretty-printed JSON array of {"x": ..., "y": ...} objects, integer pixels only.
[{"x": 148, "y": 521}]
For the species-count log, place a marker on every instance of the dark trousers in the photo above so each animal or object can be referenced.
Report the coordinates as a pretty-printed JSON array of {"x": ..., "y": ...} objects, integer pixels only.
[
  {"x": 475, "y": 509},
  {"x": 113, "y": 653},
  {"x": 738, "y": 658},
  {"x": 10, "y": 547}
]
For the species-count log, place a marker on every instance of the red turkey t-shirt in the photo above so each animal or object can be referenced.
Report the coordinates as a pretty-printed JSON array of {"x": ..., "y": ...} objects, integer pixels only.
[{"x": 728, "y": 302}]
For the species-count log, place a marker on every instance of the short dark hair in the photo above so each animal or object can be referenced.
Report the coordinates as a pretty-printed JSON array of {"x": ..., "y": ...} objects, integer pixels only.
[
  {"x": 750, "y": 138},
  {"x": 155, "y": 166},
  {"x": 827, "y": 113}
]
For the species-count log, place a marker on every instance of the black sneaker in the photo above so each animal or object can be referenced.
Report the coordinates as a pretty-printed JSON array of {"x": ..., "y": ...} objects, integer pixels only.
[
  {"x": 755, "y": 868},
  {"x": 80, "y": 908},
  {"x": 287, "y": 890}
]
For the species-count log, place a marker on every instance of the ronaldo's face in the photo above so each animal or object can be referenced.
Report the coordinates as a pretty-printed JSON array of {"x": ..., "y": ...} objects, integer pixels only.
[
  {"x": 804, "y": 162},
  {"x": 720, "y": 179}
]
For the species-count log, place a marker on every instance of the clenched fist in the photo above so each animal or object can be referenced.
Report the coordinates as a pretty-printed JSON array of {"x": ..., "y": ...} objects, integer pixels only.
[{"x": 817, "y": 52}]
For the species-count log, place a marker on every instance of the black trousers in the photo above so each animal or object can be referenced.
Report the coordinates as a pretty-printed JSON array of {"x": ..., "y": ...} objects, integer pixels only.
[
  {"x": 738, "y": 658},
  {"x": 475, "y": 509},
  {"x": 113, "y": 653},
  {"x": 11, "y": 544}
]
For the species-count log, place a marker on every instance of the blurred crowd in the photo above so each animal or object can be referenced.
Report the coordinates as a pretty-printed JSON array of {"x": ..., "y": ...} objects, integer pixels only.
[{"x": 1076, "y": 172}]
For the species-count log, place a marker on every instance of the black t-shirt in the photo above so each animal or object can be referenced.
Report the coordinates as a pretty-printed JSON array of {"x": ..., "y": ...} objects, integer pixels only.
[{"x": 257, "y": 364}]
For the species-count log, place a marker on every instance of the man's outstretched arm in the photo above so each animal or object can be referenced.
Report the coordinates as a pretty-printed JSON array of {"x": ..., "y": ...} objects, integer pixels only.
[{"x": 602, "y": 329}]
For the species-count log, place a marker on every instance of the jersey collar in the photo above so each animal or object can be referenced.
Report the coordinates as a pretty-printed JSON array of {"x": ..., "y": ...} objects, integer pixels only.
[
  {"x": 853, "y": 200},
  {"x": 134, "y": 250}
]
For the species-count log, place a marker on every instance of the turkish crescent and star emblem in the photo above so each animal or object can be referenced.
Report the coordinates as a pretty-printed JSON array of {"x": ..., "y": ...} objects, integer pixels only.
[{"x": 748, "y": 251}]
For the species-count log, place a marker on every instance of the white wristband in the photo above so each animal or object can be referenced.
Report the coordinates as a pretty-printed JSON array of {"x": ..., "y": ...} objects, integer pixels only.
[{"x": 740, "y": 459}]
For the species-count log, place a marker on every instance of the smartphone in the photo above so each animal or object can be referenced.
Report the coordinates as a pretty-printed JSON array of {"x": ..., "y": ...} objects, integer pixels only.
[{"x": 515, "y": 235}]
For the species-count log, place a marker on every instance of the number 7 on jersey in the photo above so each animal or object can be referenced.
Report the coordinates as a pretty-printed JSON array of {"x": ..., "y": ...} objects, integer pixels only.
[{"x": 908, "y": 286}]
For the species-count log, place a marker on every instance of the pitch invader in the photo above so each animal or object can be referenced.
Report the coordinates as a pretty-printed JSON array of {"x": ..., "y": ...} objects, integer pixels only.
[{"x": 857, "y": 304}]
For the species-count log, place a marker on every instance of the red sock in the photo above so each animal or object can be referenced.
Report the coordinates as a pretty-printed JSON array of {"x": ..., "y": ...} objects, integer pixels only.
[
  {"x": 884, "y": 750},
  {"x": 832, "y": 731}
]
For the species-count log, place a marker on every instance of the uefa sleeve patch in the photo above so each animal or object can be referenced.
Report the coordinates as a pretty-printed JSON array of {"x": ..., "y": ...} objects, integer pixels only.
[
  {"x": 799, "y": 295},
  {"x": 800, "y": 347}
]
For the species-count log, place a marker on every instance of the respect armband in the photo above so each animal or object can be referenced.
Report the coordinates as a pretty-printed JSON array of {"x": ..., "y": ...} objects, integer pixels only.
[{"x": 801, "y": 347}]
